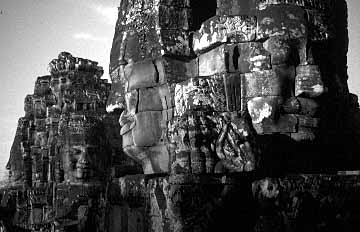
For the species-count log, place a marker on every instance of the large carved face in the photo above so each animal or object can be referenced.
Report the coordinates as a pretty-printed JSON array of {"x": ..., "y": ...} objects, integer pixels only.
[
  {"x": 85, "y": 155},
  {"x": 269, "y": 65}
]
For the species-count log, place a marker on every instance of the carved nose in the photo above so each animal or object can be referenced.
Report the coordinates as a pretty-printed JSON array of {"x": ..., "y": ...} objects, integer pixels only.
[{"x": 83, "y": 166}]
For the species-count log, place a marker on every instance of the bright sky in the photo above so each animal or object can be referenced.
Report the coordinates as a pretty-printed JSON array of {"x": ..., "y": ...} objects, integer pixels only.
[{"x": 33, "y": 32}]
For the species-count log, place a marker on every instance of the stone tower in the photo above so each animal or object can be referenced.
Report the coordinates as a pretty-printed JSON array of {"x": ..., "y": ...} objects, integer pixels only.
[{"x": 233, "y": 114}]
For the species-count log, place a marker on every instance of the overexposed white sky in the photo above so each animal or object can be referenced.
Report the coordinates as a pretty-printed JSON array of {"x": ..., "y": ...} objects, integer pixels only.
[{"x": 33, "y": 32}]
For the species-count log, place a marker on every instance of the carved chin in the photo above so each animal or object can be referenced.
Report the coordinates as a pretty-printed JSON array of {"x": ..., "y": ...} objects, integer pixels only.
[{"x": 83, "y": 173}]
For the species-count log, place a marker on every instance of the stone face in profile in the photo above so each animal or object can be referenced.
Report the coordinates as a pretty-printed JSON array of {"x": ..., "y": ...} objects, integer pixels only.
[{"x": 260, "y": 68}]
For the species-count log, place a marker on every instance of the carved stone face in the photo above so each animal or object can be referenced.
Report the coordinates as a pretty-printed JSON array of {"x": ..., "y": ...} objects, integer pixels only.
[
  {"x": 265, "y": 65},
  {"x": 80, "y": 156},
  {"x": 41, "y": 139},
  {"x": 85, "y": 155},
  {"x": 64, "y": 82}
]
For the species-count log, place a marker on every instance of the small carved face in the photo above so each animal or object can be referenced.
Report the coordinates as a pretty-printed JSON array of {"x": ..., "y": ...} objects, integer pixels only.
[
  {"x": 41, "y": 139},
  {"x": 64, "y": 82},
  {"x": 85, "y": 155},
  {"x": 55, "y": 84},
  {"x": 28, "y": 105},
  {"x": 81, "y": 167}
]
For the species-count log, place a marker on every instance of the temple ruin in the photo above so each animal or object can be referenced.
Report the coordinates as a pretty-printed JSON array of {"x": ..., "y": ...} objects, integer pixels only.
[{"x": 227, "y": 115}]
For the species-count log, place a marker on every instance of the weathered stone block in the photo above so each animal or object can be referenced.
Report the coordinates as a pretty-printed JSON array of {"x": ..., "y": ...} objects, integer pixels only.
[
  {"x": 141, "y": 75},
  {"x": 177, "y": 3},
  {"x": 310, "y": 122},
  {"x": 150, "y": 29},
  {"x": 172, "y": 17},
  {"x": 148, "y": 128},
  {"x": 127, "y": 137},
  {"x": 322, "y": 5},
  {"x": 251, "y": 57},
  {"x": 222, "y": 29},
  {"x": 158, "y": 160},
  {"x": 150, "y": 4},
  {"x": 305, "y": 134},
  {"x": 261, "y": 108},
  {"x": 284, "y": 124},
  {"x": 132, "y": 101},
  {"x": 136, "y": 45},
  {"x": 302, "y": 106},
  {"x": 235, "y": 7},
  {"x": 242, "y": 57},
  {"x": 200, "y": 94},
  {"x": 150, "y": 73},
  {"x": 287, "y": 74},
  {"x": 173, "y": 71},
  {"x": 154, "y": 159},
  {"x": 145, "y": 128},
  {"x": 279, "y": 48},
  {"x": 265, "y": 83},
  {"x": 174, "y": 42},
  {"x": 155, "y": 99},
  {"x": 308, "y": 81},
  {"x": 214, "y": 61},
  {"x": 150, "y": 100},
  {"x": 281, "y": 20},
  {"x": 155, "y": 14}
]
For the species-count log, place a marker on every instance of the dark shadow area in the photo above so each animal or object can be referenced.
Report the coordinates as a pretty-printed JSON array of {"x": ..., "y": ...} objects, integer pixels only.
[
  {"x": 235, "y": 58},
  {"x": 235, "y": 211},
  {"x": 201, "y": 11}
]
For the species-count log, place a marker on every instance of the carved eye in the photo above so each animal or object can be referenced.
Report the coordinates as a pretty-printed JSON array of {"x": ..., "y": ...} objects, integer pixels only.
[
  {"x": 75, "y": 151},
  {"x": 292, "y": 16},
  {"x": 63, "y": 80},
  {"x": 267, "y": 21}
]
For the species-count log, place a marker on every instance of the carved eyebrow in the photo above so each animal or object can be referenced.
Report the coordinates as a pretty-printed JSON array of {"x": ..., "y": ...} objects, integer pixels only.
[
  {"x": 292, "y": 16},
  {"x": 267, "y": 20},
  {"x": 78, "y": 148}
]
